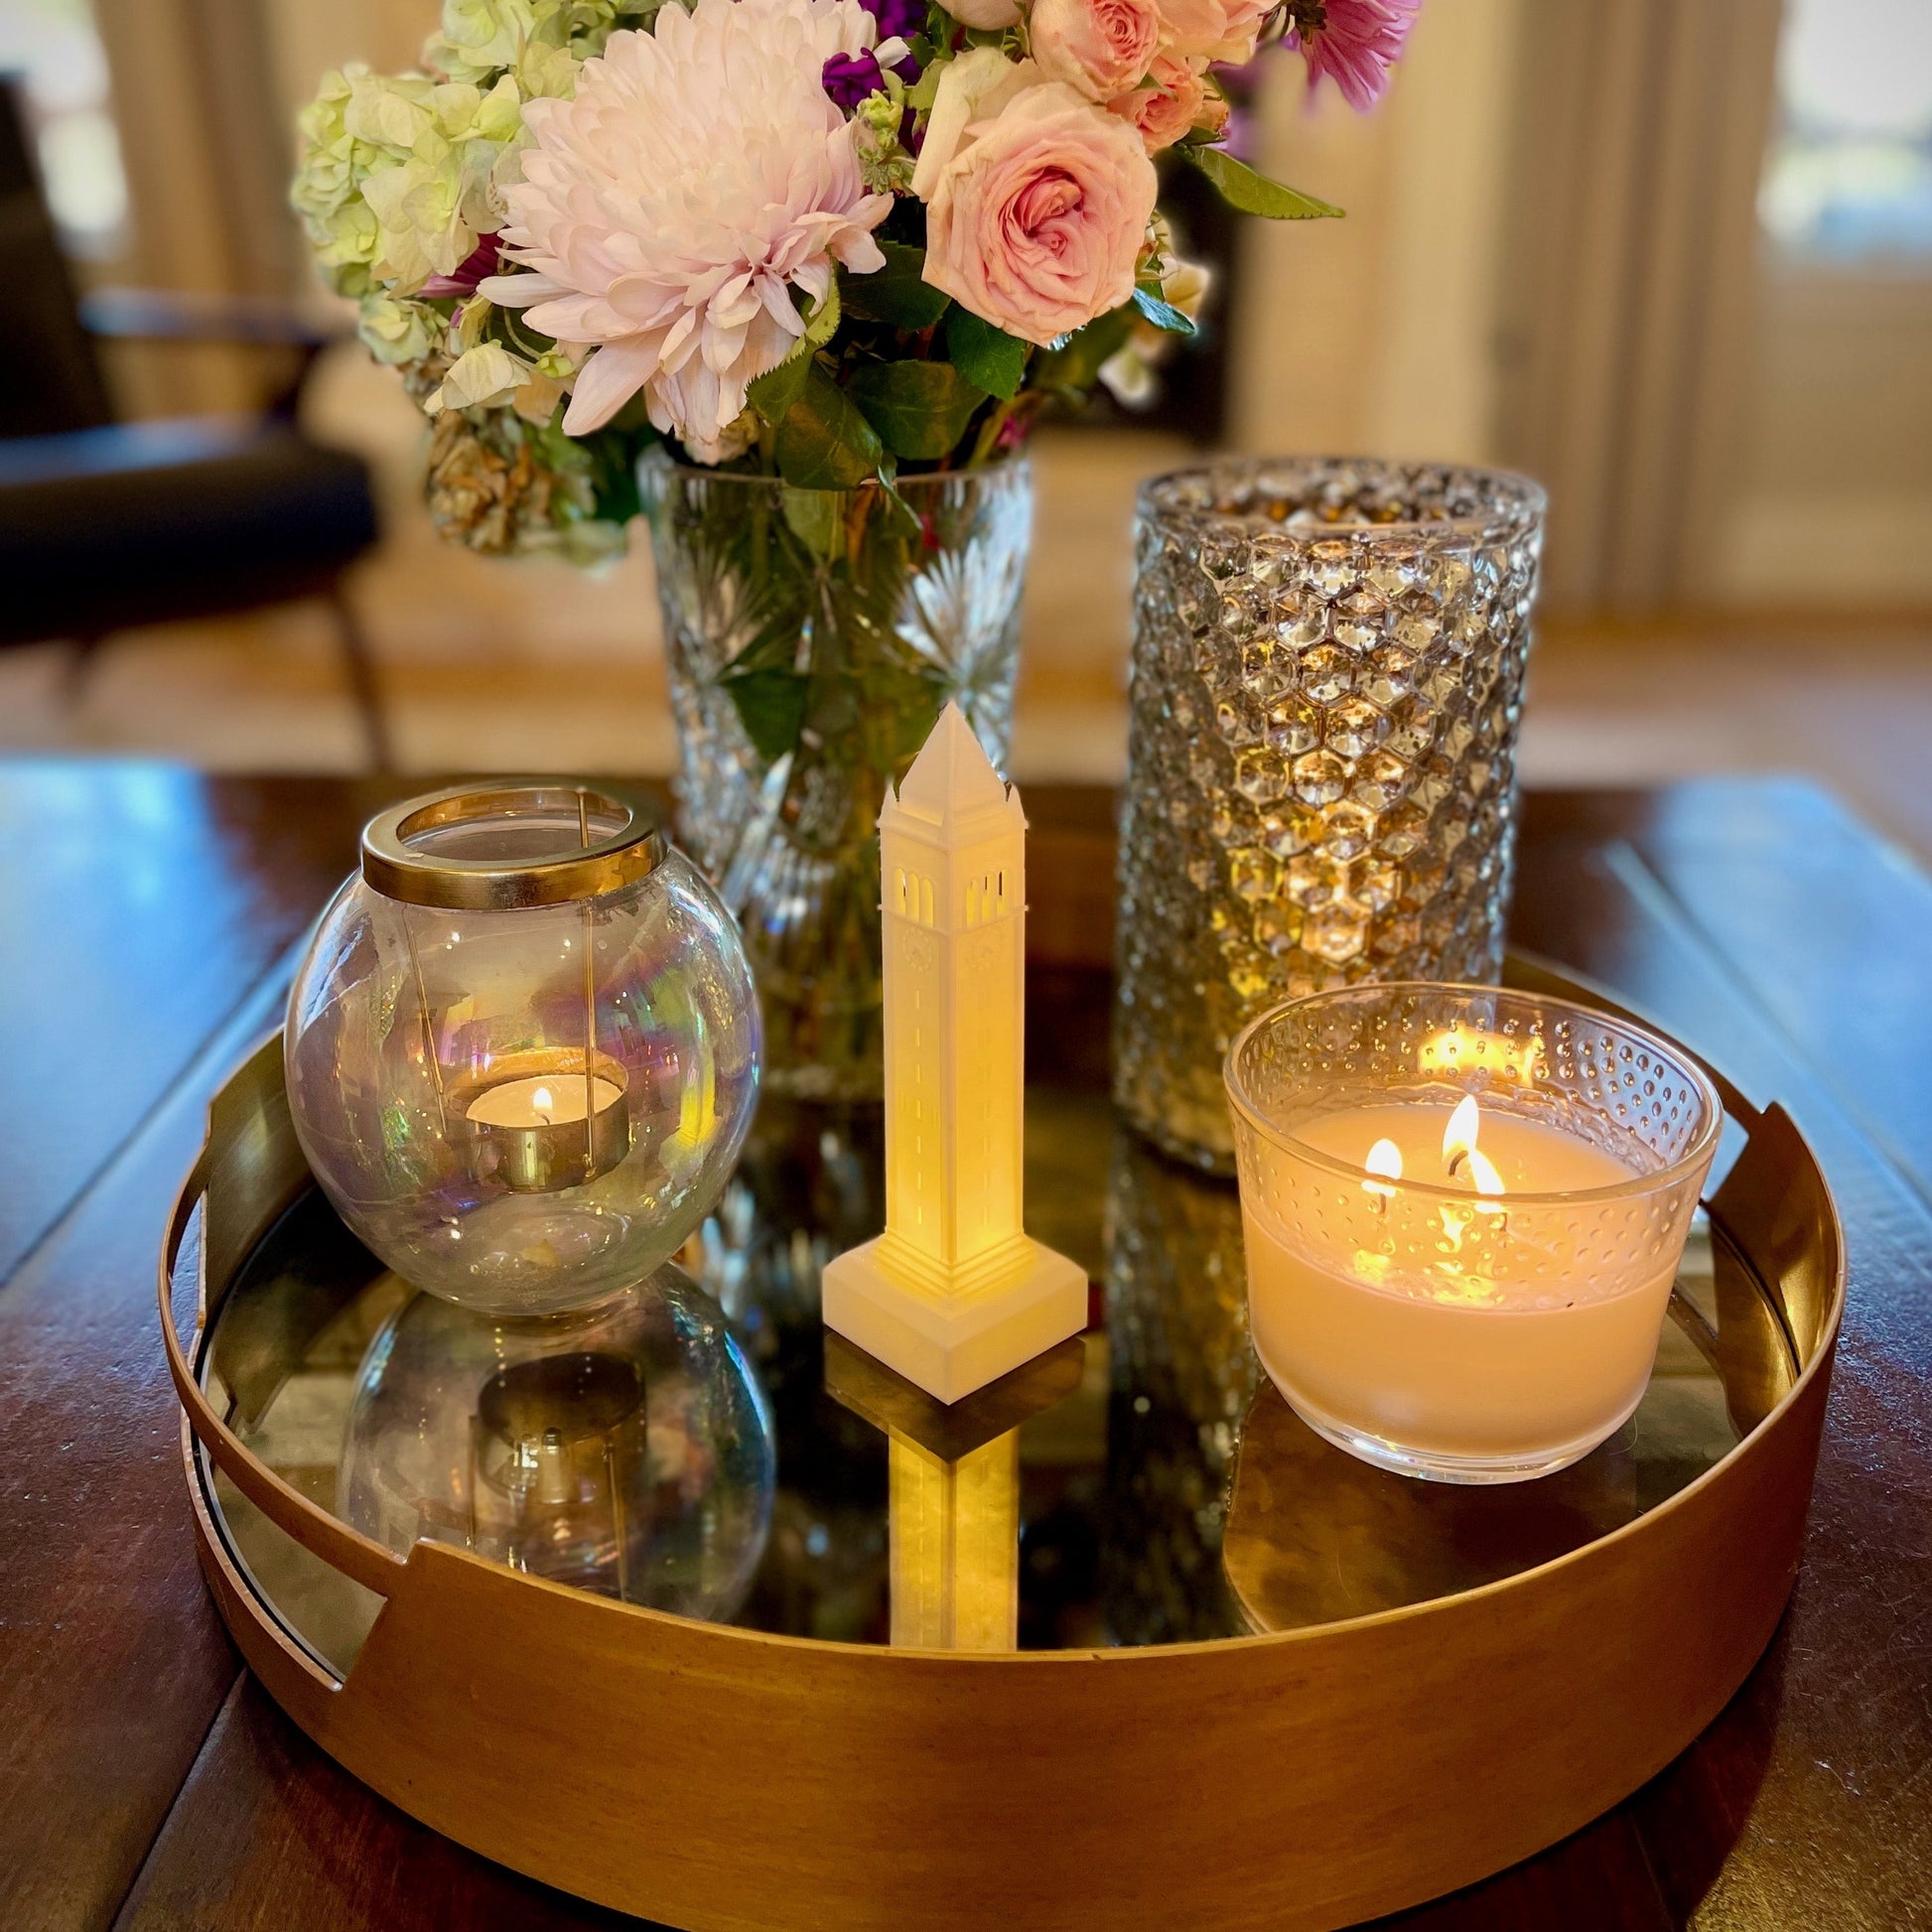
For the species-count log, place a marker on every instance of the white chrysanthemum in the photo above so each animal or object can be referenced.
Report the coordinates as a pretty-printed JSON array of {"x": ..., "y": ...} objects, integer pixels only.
[{"x": 699, "y": 175}]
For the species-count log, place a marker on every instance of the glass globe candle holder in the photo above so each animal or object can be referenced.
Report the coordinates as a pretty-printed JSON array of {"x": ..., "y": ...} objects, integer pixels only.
[
  {"x": 523, "y": 1049},
  {"x": 1463, "y": 1211}
]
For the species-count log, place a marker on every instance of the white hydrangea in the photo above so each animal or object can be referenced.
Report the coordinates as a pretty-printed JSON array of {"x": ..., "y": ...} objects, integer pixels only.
[{"x": 397, "y": 331}]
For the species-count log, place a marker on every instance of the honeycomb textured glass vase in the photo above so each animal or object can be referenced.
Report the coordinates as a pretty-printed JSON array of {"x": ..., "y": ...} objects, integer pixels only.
[
  {"x": 1327, "y": 683},
  {"x": 812, "y": 639}
]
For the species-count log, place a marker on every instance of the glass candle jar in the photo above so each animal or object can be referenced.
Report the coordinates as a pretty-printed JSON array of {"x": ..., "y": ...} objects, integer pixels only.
[
  {"x": 1463, "y": 1210},
  {"x": 1327, "y": 682},
  {"x": 523, "y": 1049}
]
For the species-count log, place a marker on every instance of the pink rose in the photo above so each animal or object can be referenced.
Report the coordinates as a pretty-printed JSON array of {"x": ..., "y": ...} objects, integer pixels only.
[
  {"x": 1214, "y": 30},
  {"x": 1170, "y": 108},
  {"x": 1099, "y": 46},
  {"x": 1037, "y": 220}
]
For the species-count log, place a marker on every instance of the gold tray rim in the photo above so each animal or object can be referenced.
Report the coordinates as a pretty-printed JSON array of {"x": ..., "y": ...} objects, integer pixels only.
[{"x": 440, "y": 1581}]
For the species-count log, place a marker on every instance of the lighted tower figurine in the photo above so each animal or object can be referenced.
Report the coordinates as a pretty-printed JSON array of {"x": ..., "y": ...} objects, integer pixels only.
[{"x": 953, "y": 1294}]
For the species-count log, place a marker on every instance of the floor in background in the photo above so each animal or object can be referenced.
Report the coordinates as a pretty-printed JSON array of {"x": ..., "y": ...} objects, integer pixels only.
[{"x": 536, "y": 667}]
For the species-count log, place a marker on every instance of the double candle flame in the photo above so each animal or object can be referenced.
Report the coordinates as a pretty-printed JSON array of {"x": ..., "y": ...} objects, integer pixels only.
[{"x": 1459, "y": 1151}]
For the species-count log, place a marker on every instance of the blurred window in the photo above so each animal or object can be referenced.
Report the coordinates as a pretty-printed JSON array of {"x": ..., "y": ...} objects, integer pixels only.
[
  {"x": 51, "y": 47},
  {"x": 1848, "y": 178}
]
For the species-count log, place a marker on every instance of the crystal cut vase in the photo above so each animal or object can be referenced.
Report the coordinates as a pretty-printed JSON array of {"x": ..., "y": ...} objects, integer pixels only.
[
  {"x": 1326, "y": 684},
  {"x": 813, "y": 637}
]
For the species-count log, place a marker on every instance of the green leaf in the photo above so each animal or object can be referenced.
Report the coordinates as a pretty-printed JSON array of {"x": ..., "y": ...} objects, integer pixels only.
[
  {"x": 822, "y": 322},
  {"x": 1163, "y": 314},
  {"x": 986, "y": 355},
  {"x": 824, "y": 443},
  {"x": 920, "y": 409},
  {"x": 896, "y": 292},
  {"x": 1241, "y": 188},
  {"x": 772, "y": 704},
  {"x": 898, "y": 509},
  {"x": 774, "y": 392},
  {"x": 614, "y": 472},
  {"x": 816, "y": 518}
]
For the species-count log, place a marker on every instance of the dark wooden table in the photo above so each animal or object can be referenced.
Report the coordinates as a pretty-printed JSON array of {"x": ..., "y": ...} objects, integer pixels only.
[{"x": 146, "y": 919}]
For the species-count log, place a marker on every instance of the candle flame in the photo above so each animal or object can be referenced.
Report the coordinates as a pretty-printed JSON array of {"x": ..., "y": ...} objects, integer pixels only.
[
  {"x": 543, "y": 1103},
  {"x": 1459, "y": 1147},
  {"x": 1482, "y": 1171},
  {"x": 1384, "y": 1158}
]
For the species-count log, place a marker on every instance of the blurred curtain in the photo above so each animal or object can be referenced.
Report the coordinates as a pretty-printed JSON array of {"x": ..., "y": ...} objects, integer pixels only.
[
  {"x": 1629, "y": 279},
  {"x": 204, "y": 135},
  {"x": 1378, "y": 333}
]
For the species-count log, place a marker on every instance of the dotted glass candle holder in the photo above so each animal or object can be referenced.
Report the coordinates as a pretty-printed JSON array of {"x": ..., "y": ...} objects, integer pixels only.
[
  {"x": 1327, "y": 677},
  {"x": 1467, "y": 1292}
]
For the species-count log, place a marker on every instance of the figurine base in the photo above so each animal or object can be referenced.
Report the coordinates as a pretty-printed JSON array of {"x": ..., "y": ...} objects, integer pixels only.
[{"x": 952, "y": 1337}]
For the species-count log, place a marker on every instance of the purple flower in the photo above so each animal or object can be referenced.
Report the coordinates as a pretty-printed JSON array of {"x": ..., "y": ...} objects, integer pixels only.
[
  {"x": 481, "y": 261},
  {"x": 898, "y": 19},
  {"x": 1354, "y": 41},
  {"x": 849, "y": 77}
]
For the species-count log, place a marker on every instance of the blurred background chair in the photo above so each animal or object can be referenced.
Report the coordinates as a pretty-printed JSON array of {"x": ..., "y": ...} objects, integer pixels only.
[{"x": 106, "y": 526}]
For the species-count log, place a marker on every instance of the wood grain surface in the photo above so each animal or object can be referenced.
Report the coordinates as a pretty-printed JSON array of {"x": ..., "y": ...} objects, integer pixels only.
[{"x": 143, "y": 1777}]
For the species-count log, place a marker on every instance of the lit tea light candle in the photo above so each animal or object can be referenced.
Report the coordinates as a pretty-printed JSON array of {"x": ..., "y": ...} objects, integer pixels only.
[
  {"x": 537, "y": 1124},
  {"x": 543, "y": 1100},
  {"x": 1467, "y": 1290}
]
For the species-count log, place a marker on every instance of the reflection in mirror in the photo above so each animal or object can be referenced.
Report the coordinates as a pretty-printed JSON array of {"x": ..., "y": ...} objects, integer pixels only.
[
  {"x": 1315, "y": 1536},
  {"x": 808, "y": 1184},
  {"x": 954, "y": 1499},
  {"x": 627, "y": 1451},
  {"x": 624, "y": 1450},
  {"x": 1182, "y": 1374},
  {"x": 1119, "y": 1507},
  {"x": 955, "y": 1547}
]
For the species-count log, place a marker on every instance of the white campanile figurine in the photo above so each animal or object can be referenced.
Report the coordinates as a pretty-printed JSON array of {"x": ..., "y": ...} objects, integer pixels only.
[{"x": 953, "y": 1294}]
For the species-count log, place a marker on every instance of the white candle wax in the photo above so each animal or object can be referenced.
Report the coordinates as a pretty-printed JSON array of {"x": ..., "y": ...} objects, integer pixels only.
[
  {"x": 541, "y": 1100},
  {"x": 1477, "y": 1341}
]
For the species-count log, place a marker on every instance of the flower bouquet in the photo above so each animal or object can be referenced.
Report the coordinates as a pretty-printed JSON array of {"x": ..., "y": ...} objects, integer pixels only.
[{"x": 806, "y": 272}]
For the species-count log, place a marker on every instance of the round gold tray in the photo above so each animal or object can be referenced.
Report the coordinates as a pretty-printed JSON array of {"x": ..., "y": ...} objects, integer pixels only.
[{"x": 1391, "y": 1689}]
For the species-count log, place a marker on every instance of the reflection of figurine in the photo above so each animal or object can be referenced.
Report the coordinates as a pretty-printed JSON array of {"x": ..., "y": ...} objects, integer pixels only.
[
  {"x": 956, "y": 1491},
  {"x": 1181, "y": 1373},
  {"x": 954, "y": 1294},
  {"x": 625, "y": 1450}
]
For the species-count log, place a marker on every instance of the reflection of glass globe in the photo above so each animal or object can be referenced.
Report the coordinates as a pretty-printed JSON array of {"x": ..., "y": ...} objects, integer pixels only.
[
  {"x": 625, "y": 1450},
  {"x": 523, "y": 1049}
]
